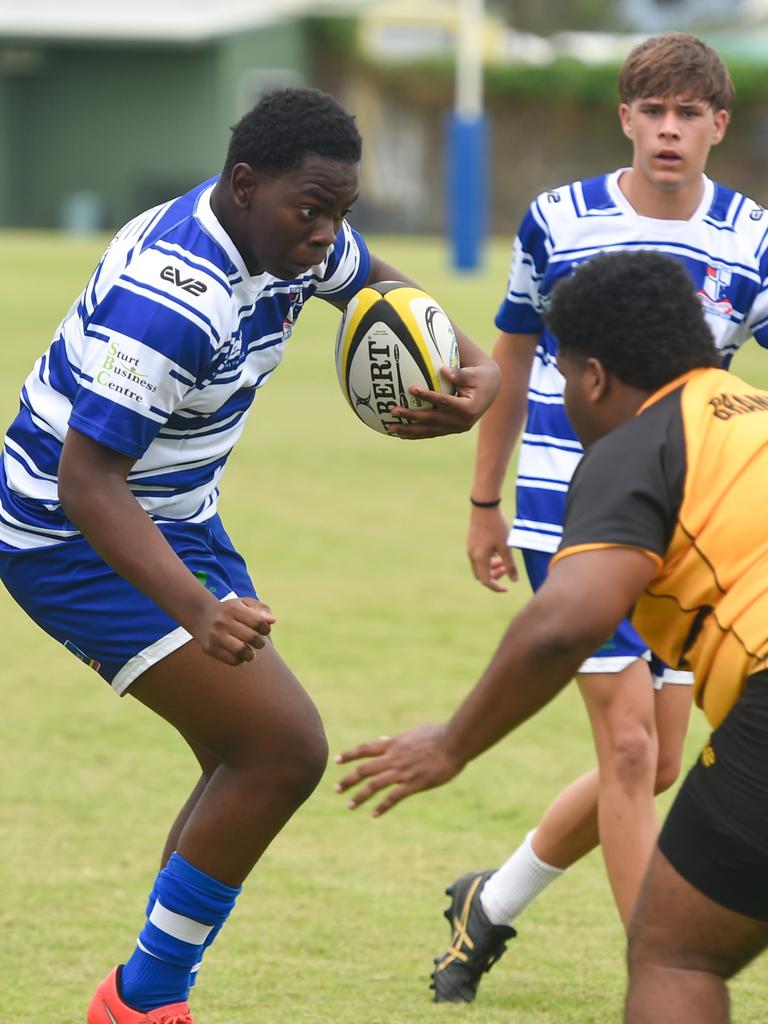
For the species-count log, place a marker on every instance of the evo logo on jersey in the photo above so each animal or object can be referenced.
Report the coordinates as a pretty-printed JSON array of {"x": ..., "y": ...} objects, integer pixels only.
[{"x": 189, "y": 284}]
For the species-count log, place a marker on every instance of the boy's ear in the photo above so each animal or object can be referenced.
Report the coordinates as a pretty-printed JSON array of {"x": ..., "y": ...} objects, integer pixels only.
[
  {"x": 244, "y": 181},
  {"x": 721, "y": 119},
  {"x": 625, "y": 119},
  {"x": 596, "y": 378}
]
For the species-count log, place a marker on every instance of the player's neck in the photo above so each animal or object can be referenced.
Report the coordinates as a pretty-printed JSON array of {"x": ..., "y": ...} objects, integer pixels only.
[
  {"x": 649, "y": 200},
  {"x": 226, "y": 214},
  {"x": 221, "y": 207}
]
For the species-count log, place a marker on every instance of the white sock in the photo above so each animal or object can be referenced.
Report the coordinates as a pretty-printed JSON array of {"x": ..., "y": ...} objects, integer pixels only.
[{"x": 516, "y": 884}]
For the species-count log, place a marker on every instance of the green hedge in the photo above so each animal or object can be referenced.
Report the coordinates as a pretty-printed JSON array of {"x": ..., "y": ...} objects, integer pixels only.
[{"x": 565, "y": 78}]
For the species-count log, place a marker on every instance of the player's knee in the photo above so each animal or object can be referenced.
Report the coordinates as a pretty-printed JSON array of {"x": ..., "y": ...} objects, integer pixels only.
[
  {"x": 645, "y": 957},
  {"x": 633, "y": 756},
  {"x": 655, "y": 943},
  {"x": 302, "y": 762},
  {"x": 638, "y": 951},
  {"x": 647, "y": 948},
  {"x": 289, "y": 754},
  {"x": 667, "y": 771},
  {"x": 314, "y": 760}
]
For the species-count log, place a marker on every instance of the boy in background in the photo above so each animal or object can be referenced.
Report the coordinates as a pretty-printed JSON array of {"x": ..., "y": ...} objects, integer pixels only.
[{"x": 676, "y": 96}]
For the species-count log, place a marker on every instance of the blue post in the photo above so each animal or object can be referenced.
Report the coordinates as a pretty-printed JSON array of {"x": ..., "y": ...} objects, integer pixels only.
[{"x": 467, "y": 176}]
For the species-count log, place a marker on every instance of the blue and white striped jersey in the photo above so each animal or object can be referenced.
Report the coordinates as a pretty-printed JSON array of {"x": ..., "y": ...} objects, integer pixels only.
[
  {"x": 159, "y": 358},
  {"x": 724, "y": 246}
]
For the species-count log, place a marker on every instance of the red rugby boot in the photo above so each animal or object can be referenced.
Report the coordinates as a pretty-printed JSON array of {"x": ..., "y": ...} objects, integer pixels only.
[{"x": 107, "y": 1007}]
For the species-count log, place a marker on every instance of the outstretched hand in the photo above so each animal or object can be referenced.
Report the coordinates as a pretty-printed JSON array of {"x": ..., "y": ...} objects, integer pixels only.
[
  {"x": 475, "y": 389},
  {"x": 410, "y": 762}
]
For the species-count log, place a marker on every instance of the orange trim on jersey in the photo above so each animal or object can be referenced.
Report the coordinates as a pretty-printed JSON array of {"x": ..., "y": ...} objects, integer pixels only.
[
  {"x": 672, "y": 386},
  {"x": 577, "y": 549}
]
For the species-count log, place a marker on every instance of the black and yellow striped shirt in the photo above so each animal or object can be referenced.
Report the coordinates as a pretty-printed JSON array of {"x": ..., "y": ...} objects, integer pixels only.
[{"x": 686, "y": 482}]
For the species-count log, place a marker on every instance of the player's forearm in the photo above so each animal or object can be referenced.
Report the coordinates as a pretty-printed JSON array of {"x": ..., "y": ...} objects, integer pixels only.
[
  {"x": 121, "y": 532},
  {"x": 498, "y": 432},
  {"x": 95, "y": 497},
  {"x": 501, "y": 427},
  {"x": 471, "y": 354}
]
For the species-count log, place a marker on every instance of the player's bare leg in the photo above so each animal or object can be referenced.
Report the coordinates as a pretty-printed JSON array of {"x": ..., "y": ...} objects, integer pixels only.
[
  {"x": 673, "y": 711},
  {"x": 261, "y": 726},
  {"x": 682, "y": 949},
  {"x": 208, "y": 766},
  {"x": 260, "y": 744},
  {"x": 568, "y": 829},
  {"x": 621, "y": 712}
]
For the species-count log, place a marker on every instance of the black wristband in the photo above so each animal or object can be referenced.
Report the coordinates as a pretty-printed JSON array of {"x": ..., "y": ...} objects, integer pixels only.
[{"x": 484, "y": 504}]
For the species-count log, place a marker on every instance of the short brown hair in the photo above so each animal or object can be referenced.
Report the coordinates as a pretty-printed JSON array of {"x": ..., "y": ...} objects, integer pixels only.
[{"x": 676, "y": 64}]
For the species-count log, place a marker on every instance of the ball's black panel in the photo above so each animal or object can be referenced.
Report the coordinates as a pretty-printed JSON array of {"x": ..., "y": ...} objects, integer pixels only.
[
  {"x": 382, "y": 287},
  {"x": 384, "y": 312}
]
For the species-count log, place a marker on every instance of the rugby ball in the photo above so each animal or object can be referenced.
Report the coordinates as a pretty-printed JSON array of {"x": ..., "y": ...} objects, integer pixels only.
[{"x": 391, "y": 337}]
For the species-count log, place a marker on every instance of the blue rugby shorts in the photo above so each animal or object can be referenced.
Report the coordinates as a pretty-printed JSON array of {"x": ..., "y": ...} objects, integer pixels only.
[
  {"x": 103, "y": 620},
  {"x": 625, "y": 646}
]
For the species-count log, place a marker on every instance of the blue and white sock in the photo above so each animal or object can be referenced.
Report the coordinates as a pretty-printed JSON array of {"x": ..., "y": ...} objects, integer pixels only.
[
  {"x": 186, "y": 911},
  {"x": 208, "y": 942}
]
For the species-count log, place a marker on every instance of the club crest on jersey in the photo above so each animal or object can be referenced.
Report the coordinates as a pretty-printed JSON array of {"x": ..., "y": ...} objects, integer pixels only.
[
  {"x": 716, "y": 280},
  {"x": 231, "y": 354},
  {"x": 296, "y": 300}
]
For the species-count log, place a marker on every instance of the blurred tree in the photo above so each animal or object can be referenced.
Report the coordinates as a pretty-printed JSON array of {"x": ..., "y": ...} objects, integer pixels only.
[{"x": 545, "y": 17}]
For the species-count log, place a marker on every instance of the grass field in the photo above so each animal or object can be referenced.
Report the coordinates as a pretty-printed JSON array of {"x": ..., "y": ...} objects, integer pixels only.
[{"x": 356, "y": 540}]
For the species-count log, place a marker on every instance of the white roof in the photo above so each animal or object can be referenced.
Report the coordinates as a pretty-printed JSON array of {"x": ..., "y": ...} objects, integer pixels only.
[
  {"x": 152, "y": 20},
  {"x": 193, "y": 21}
]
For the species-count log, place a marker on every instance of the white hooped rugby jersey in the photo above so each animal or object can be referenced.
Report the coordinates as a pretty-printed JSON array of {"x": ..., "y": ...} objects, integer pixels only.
[
  {"x": 724, "y": 247},
  {"x": 159, "y": 358}
]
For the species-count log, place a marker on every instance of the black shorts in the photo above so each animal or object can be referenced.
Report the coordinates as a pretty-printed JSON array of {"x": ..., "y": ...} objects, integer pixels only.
[{"x": 716, "y": 834}]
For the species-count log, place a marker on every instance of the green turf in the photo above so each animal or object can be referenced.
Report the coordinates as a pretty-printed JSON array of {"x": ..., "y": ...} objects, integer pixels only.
[{"x": 357, "y": 542}]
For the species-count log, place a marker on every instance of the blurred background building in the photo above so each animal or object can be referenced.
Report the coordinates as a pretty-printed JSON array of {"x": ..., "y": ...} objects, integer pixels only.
[{"x": 106, "y": 109}]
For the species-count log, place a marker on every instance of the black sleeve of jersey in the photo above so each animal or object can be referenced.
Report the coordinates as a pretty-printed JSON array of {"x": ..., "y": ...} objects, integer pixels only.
[{"x": 629, "y": 486}]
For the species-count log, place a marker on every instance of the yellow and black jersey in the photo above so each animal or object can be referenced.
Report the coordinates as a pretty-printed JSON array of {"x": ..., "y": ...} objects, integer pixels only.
[{"x": 686, "y": 481}]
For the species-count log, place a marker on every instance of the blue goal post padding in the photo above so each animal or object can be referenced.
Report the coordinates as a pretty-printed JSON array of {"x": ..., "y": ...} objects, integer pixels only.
[{"x": 467, "y": 176}]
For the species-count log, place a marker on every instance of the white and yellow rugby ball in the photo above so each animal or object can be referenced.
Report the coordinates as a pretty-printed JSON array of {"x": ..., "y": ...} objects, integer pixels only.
[{"x": 391, "y": 337}]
